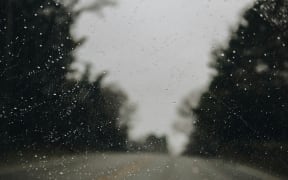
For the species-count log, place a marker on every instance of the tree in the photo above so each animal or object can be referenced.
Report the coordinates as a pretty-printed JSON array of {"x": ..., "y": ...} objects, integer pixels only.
[
  {"x": 94, "y": 122},
  {"x": 36, "y": 53},
  {"x": 156, "y": 144},
  {"x": 152, "y": 143},
  {"x": 246, "y": 101},
  {"x": 39, "y": 107}
]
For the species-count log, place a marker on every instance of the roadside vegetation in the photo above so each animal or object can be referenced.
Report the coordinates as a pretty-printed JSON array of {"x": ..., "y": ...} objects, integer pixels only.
[
  {"x": 243, "y": 113},
  {"x": 40, "y": 108}
]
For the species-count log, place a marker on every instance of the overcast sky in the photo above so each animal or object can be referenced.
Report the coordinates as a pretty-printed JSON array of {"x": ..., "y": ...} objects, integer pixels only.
[{"x": 158, "y": 52}]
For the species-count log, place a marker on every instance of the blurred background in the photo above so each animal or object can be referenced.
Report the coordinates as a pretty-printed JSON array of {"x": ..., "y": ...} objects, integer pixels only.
[
  {"x": 180, "y": 77},
  {"x": 158, "y": 52}
]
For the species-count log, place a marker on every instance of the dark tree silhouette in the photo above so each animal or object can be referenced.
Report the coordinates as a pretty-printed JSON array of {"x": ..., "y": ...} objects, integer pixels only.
[
  {"x": 152, "y": 143},
  {"x": 35, "y": 52},
  {"x": 96, "y": 116},
  {"x": 246, "y": 102},
  {"x": 39, "y": 107}
]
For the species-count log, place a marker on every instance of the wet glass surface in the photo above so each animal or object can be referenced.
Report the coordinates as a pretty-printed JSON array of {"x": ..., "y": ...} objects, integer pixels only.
[{"x": 144, "y": 89}]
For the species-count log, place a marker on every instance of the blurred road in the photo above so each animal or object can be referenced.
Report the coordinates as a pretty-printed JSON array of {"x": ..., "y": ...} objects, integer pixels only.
[{"x": 110, "y": 166}]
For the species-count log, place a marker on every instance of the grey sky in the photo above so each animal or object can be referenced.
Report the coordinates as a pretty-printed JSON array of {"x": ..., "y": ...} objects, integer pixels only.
[{"x": 157, "y": 51}]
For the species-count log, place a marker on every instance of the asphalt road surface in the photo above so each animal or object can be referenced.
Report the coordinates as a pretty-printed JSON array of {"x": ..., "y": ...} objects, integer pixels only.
[{"x": 108, "y": 166}]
